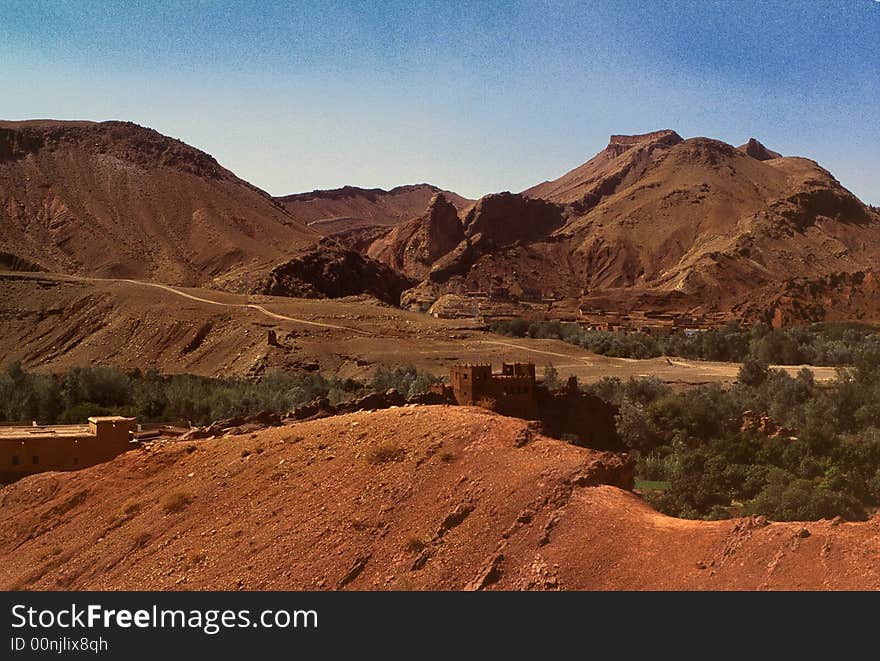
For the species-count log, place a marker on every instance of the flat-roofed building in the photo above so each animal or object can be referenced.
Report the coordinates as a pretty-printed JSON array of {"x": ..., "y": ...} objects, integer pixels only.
[{"x": 25, "y": 450}]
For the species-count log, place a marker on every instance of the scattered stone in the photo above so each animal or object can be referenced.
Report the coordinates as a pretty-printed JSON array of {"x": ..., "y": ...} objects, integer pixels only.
[
  {"x": 489, "y": 573},
  {"x": 454, "y": 518},
  {"x": 354, "y": 572}
]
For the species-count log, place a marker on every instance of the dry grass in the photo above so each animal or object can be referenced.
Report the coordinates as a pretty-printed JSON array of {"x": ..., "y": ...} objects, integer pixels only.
[
  {"x": 488, "y": 403},
  {"x": 415, "y": 545},
  {"x": 175, "y": 501},
  {"x": 128, "y": 510},
  {"x": 447, "y": 456},
  {"x": 386, "y": 454}
]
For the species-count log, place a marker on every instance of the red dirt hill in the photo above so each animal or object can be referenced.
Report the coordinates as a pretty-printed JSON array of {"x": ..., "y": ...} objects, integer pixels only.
[
  {"x": 411, "y": 498},
  {"x": 119, "y": 200}
]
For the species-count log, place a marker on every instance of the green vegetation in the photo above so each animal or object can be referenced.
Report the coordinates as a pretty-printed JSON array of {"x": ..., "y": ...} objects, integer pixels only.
[
  {"x": 818, "y": 344},
  {"x": 82, "y": 392},
  {"x": 408, "y": 381},
  {"x": 820, "y": 460}
]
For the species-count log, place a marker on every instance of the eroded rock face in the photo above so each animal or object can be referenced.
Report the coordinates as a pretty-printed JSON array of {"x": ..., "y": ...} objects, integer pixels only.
[
  {"x": 414, "y": 246},
  {"x": 443, "y": 230},
  {"x": 331, "y": 271},
  {"x": 756, "y": 150},
  {"x": 617, "y": 144},
  {"x": 504, "y": 218}
]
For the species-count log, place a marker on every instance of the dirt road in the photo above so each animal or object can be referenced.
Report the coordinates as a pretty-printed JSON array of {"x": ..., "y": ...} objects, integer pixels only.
[{"x": 251, "y": 306}]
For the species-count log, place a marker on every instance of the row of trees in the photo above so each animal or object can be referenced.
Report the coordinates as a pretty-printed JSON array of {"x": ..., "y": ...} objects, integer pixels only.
[
  {"x": 826, "y": 463},
  {"x": 73, "y": 396},
  {"x": 818, "y": 344}
]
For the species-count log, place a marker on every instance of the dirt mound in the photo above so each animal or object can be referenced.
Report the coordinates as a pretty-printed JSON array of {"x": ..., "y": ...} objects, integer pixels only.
[
  {"x": 331, "y": 271},
  {"x": 424, "y": 497},
  {"x": 120, "y": 200}
]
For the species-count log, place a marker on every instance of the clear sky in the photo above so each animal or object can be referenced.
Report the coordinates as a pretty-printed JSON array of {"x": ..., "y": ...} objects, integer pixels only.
[{"x": 475, "y": 97}]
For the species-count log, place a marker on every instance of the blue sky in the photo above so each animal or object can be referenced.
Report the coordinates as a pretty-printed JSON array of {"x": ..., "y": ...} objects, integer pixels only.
[{"x": 471, "y": 96}]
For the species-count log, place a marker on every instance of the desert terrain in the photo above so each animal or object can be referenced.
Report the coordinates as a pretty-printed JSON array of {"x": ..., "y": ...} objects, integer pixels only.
[
  {"x": 56, "y": 322},
  {"x": 123, "y": 247},
  {"x": 420, "y": 497}
]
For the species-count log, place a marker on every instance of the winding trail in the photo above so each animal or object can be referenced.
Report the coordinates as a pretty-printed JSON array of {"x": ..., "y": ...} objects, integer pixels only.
[
  {"x": 252, "y": 306},
  {"x": 208, "y": 301},
  {"x": 548, "y": 353}
]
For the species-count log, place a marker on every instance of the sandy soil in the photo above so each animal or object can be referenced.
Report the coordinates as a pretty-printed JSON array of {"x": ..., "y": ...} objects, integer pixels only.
[{"x": 410, "y": 498}]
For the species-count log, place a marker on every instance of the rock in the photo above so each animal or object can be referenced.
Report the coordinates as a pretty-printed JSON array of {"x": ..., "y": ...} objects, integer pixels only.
[
  {"x": 490, "y": 573},
  {"x": 756, "y": 150},
  {"x": 332, "y": 271},
  {"x": 523, "y": 437},
  {"x": 414, "y": 246},
  {"x": 354, "y": 572},
  {"x": 609, "y": 468},
  {"x": 454, "y": 518},
  {"x": 236, "y": 425}
]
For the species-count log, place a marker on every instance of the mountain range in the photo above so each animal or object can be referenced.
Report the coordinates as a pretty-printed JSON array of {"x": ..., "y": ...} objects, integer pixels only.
[{"x": 653, "y": 222}]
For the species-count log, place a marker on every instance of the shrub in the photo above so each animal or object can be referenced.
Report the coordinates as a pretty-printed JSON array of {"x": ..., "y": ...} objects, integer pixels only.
[
  {"x": 753, "y": 372},
  {"x": 488, "y": 403},
  {"x": 415, "y": 545},
  {"x": 386, "y": 453},
  {"x": 79, "y": 413},
  {"x": 175, "y": 501}
]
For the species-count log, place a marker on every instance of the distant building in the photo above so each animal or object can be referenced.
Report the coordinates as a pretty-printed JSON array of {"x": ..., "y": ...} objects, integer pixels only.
[
  {"x": 26, "y": 450},
  {"x": 499, "y": 293},
  {"x": 515, "y": 392},
  {"x": 531, "y": 294},
  {"x": 512, "y": 391}
]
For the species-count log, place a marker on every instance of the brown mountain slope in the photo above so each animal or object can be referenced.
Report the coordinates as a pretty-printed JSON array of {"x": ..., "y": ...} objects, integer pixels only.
[
  {"x": 620, "y": 163},
  {"x": 692, "y": 225},
  {"x": 756, "y": 150},
  {"x": 350, "y": 207},
  {"x": 424, "y": 497},
  {"x": 412, "y": 247},
  {"x": 117, "y": 199}
]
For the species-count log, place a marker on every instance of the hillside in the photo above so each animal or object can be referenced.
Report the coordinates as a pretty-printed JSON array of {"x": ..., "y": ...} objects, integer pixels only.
[
  {"x": 52, "y": 323},
  {"x": 417, "y": 497},
  {"x": 119, "y": 200},
  {"x": 655, "y": 222},
  {"x": 342, "y": 209}
]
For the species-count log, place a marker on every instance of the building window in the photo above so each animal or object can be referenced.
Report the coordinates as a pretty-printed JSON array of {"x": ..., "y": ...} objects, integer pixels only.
[
  {"x": 36, "y": 459},
  {"x": 15, "y": 460}
]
